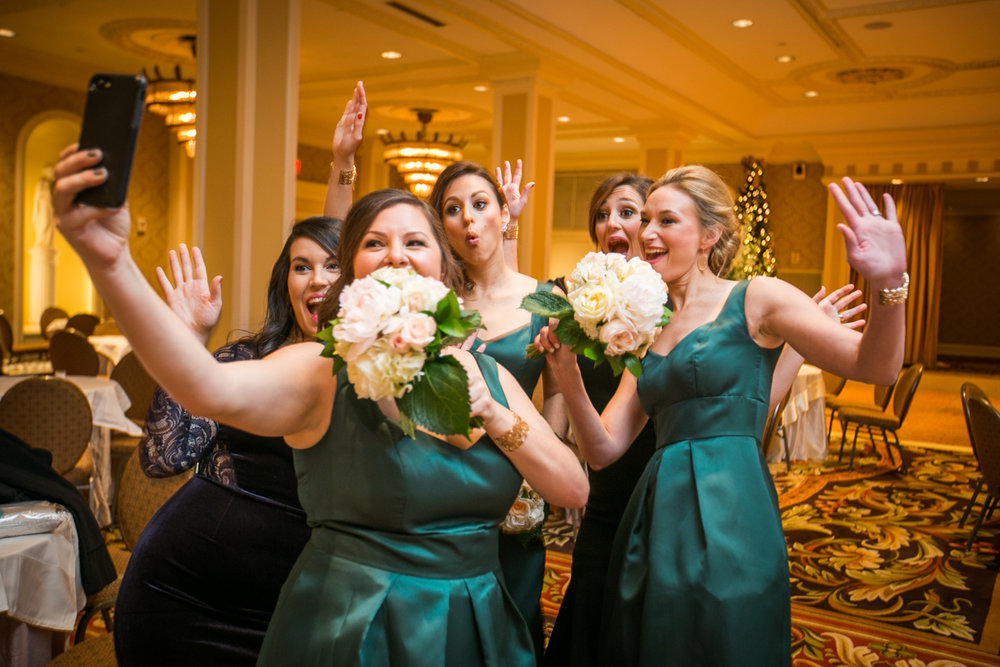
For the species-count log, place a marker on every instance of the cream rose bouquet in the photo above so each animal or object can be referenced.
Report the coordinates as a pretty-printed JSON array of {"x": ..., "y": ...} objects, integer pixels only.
[
  {"x": 613, "y": 311},
  {"x": 526, "y": 515},
  {"x": 389, "y": 332}
]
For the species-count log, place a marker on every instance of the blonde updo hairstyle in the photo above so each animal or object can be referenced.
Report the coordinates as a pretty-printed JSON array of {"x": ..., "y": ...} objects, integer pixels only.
[{"x": 713, "y": 205}]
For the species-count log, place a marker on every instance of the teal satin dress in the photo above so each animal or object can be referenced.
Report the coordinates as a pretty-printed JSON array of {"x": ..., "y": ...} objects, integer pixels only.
[
  {"x": 401, "y": 567},
  {"x": 702, "y": 569},
  {"x": 523, "y": 563}
]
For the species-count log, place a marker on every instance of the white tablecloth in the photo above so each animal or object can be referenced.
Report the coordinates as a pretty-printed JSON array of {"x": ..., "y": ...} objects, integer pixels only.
[
  {"x": 41, "y": 591},
  {"x": 112, "y": 346},
  {"x": 804, "y": 419},
  {"x": 108, "y": 403}
]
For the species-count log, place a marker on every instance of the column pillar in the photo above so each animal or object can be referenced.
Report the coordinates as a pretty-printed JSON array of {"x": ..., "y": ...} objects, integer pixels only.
[
  {"x": 524, "y": 127},
  {"x": 661, "y": 148},
  {"x": 244, "y": 199}
]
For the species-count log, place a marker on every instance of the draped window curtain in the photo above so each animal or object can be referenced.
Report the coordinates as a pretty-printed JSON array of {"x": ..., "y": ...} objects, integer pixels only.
[{"x": 920, "y": 208}]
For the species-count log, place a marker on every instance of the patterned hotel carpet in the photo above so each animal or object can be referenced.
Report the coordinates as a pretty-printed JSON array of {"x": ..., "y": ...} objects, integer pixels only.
[{"x": 878, "y": 569}]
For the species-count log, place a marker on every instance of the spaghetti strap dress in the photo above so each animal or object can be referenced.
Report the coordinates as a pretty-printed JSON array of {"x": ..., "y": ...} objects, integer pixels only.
[
  {"x": 523, "y": 563},
  {"x": 401, "y": 567},
  {"x": 700, "y": 558}
]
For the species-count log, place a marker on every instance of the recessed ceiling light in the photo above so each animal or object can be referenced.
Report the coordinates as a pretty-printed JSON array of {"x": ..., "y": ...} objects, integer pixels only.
[
  {"x": 392, "y": 55},
  {"x": 619, "y": 140},
  {"x": 742, "y": 23},
  {"x": 785, "y": 59},
  {"x": 7, "y": 32},
  {"x": 896, "y": 181},
  {"x": 982, "y": 179},
  {"x": 481, "y": 88},
  {"x": 810, "y": 93},
  {"x": 563, "y": 119},
  {"x": 878, "y": 25},
  {"x": 382, "y": 131}
]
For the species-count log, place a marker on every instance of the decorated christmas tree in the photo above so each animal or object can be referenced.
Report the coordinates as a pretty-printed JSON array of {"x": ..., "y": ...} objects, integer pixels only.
[{"x": 756, "y": 255}]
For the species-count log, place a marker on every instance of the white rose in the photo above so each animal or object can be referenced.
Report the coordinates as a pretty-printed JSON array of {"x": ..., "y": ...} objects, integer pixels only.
[
  {"x": 589, "y": 269},
  {"x": 641, "y": 300},
  {"x": 591, "y": 305},
  {"x": 365, "y": 308},
  {"x": 617, "y": 265},
  {"x": 383, "y": 371},
  {"x": 419, "y": 293},
  {"x": 621, "y": 336}
]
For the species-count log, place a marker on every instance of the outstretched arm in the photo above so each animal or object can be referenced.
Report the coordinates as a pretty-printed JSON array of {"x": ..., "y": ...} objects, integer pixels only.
[
  {"x": 346, "y": 141},
  {"x": 270, "y": 397},
  {"x": 875, "y": 248},
  {"x": 837, "y": 306}
]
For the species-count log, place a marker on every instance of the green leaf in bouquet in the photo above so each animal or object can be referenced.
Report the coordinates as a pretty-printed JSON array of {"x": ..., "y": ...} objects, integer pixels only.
[
  {"x": 633, "y": 364},
  {"x": 665, "y": 320},
  {"x": 439, "y": 399},
  {"x": 569, "y": 332},
  {"x": 329, "y": 345},
  {"x": 547, "y": 304},
  {"x": 617, "y": 365}
]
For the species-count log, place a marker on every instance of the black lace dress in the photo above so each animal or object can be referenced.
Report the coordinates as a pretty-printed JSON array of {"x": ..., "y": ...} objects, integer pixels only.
[{"x": 204, "y": 578}]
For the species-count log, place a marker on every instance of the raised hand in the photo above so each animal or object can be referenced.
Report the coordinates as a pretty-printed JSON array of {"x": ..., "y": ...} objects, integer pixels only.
[
  {"x": 510, "y": 186},
  {"x": 837, "y": 305},
  {"x": 874, "y": 243},
  {"x": 350, "y": 129},
  {"x": 99, "y": 235},
  {"x": 192, "y": 299}
]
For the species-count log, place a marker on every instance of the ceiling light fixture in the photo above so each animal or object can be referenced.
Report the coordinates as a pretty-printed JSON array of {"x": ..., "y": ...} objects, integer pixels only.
[
  {"x": 481, "y": 88},
  {"x": 174, "y": 99},
  {"x": 982, "y": 179},
  {"x": 618, "y": 140},
  {"x": 785, "y": 59},
  {"x": 742, "y": 23},
  {"x": 7, "y": 32},
  {"x": 421, "y": 160},
  {"x": 896, "y": 181},
  {"x": 810, "y": 93},
  {"x": 391, "y": 55},
  {"x": 563, "y": 119}
]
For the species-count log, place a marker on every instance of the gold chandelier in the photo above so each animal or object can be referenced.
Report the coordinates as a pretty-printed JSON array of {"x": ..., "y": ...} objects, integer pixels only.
[
  {"x": 174, "y": 99},
  {"x": 421, "y": 160}
]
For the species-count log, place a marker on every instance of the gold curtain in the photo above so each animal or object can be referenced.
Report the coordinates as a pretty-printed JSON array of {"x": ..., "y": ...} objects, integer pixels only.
[{"x": 920, "y": 209}]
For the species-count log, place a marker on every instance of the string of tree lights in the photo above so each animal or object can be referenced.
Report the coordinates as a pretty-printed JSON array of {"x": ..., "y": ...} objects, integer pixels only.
[{"x": 756, "y": 254}]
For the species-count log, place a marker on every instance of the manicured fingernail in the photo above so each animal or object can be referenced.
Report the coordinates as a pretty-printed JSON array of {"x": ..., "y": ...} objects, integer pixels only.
[
  {"x": 91, "y": 153},
  {"x": 100, "y": 171}
]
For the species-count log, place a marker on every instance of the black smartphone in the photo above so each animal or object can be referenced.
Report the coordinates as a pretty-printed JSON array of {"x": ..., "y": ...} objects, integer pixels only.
[{"x": 111, "y": 122}]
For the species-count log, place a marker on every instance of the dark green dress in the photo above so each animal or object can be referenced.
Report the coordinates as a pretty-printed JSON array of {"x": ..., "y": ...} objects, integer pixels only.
[
  {"x": 401, "y": 568},
  {"x": 523, "y": 564},
  {"x": 702, "y": 569}
]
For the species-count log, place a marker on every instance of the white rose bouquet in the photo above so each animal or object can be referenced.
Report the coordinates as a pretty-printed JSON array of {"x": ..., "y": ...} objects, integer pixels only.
[
  {"x": 613, "y": 311},
  {"x": 526, "y": 515},
  {"x": 389, "y": 332}
]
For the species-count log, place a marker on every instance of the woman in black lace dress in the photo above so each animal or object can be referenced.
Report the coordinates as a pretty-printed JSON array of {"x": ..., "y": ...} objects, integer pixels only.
[{"x": 205, "y": 575}]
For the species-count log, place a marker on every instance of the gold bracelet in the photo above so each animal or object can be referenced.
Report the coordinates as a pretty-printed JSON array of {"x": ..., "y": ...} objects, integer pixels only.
[
  {"x": 514, "y": 437},
  {"x": 347, "y": 176},
  {"x": 510, "y": 232},
  {"x": 896, "y": 295}
]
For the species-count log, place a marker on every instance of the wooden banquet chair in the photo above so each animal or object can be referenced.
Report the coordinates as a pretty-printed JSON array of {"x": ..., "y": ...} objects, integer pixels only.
[
  {"x": 984, "y": 431},
  {"x": 834, "y": 385},
  {"x": 887, "y": 422},
  {"x": 72, "y": 353},
  {"x": 775, "y": 426},
  {"x": 98, "y": 652},
  {"x": 140, "y": 387},
  {"x": 137, "y": 499},
  {"x": 84, "y": 323},
  {"x": 52, "y": 414},
  {"x": 50, "y": 315}
]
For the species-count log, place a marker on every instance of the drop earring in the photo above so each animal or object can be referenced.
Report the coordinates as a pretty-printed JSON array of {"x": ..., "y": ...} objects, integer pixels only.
[{"x": 703, "y": 260}]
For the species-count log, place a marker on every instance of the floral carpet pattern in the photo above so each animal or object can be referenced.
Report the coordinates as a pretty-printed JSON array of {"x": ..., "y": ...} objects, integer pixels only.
[{"x": 877, "y": 562}]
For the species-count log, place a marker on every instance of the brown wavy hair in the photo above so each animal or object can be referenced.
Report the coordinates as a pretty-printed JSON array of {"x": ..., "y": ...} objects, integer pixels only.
[{"x": 640, "y": 184}]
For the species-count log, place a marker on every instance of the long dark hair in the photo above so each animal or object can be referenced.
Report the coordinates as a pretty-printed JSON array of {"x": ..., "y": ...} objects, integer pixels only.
[
  {"x": 359, "y": 219},
  {"x": 280, "y": 326}
]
